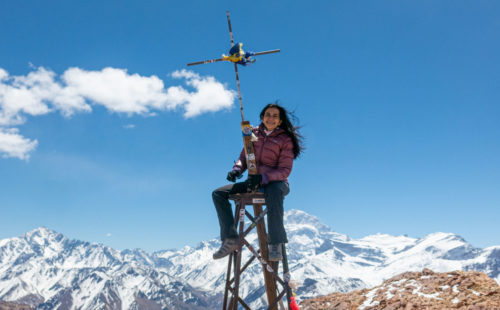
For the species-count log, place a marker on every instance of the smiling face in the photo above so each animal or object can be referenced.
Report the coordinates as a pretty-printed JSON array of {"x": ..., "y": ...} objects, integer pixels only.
[{"x": 271, "y": 118}]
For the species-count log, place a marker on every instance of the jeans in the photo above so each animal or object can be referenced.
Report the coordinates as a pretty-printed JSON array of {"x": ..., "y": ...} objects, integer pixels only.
[{"x": 274, "y": 193}]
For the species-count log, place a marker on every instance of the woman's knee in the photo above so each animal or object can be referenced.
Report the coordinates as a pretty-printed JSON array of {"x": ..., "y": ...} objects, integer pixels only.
[
  {"x": 222, "y": 192},
  {"x": 217, "y": 194}
]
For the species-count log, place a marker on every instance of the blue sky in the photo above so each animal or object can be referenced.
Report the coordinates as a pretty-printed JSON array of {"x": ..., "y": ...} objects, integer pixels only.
[{"x": 399, "y": 103}]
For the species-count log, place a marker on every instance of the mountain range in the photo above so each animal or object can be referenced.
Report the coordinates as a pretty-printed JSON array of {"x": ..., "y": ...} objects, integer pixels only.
[{"x": 46, "y": 270}]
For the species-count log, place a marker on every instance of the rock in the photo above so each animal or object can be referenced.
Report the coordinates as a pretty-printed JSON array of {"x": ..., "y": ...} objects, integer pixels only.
[
  {"x": 13, "y": 306},
  {"x": 464, "y": 290}
]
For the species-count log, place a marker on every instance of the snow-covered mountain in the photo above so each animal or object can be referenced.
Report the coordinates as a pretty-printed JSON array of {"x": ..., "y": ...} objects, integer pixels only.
[{"x": 45, "y": 269}]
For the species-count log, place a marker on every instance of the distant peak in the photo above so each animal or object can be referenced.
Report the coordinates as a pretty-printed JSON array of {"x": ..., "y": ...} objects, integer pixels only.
[
  {"x": 298, "y": 217},
  {"x": 444, "y": 236},
  {"x": 43, "y": 233}
]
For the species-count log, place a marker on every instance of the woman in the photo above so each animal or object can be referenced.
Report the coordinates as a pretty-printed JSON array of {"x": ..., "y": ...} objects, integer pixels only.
[{"x": 277, "y": 146}]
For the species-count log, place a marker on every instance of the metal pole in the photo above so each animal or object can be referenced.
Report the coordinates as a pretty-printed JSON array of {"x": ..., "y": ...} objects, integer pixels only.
[{"x": 235, "y": 67}]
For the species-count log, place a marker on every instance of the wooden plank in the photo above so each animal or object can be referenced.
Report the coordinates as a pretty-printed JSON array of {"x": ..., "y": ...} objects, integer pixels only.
[
  {"x": 228, "y": 283},
  {"x": 246, "y": 129},
  {"x": 269, "y": 280}
]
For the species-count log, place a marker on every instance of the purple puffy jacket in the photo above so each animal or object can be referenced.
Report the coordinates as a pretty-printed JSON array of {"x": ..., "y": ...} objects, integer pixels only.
[{"x": 273, "y": 153}]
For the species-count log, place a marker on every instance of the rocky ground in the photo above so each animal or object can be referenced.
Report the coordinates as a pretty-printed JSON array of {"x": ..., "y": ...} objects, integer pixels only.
[
  {"x": 418, "y": 290},
  {"x": 12, "y": 306}
]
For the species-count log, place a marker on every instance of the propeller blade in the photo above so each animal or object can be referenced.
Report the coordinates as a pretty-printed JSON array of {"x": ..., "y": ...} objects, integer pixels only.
[
  {"x": 205, "y": 62},
  {"x": 267, "y": 52},
  {"x": 230, "y": 29}
]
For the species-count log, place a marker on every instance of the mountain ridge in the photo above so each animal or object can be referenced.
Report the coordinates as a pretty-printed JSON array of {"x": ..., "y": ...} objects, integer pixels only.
[{"x": 45, "y": 265}]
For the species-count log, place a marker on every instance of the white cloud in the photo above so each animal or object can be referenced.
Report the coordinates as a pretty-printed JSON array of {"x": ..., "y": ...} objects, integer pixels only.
[
  {"x": 41, "y": 92},
  {"x": 35, "y": 94},
  {"x": 210, "y": 95},
  {"x": 3, "y": 74},
  {"x": 117, "y": 90},
  {"x": 12, "y": 144}
]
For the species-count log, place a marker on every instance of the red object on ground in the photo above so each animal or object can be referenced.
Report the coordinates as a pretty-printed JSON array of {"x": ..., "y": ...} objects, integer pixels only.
[{"x": 293, "y": 304}]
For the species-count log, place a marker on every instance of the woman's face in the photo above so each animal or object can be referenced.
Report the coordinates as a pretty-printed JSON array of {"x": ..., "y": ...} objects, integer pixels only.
[{"x": 271, "y": 118}]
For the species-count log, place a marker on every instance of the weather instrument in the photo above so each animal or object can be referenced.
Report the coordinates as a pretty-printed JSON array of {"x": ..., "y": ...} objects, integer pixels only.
[{"x": 239, "y": 57}]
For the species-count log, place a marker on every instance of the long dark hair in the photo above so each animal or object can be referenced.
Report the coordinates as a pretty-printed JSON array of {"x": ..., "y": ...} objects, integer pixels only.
[{"x": 288, "y": 127}]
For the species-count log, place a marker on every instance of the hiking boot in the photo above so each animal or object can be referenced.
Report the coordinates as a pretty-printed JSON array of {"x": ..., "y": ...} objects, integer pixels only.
[
  {"x": 228, "y": 246},
  {"x": 275, "y": 252}
]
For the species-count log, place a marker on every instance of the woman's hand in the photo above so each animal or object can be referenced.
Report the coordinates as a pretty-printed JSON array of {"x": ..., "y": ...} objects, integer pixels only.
[
  {"x": 233, "y": 175},
  {"x": 254, "y": 181}
]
